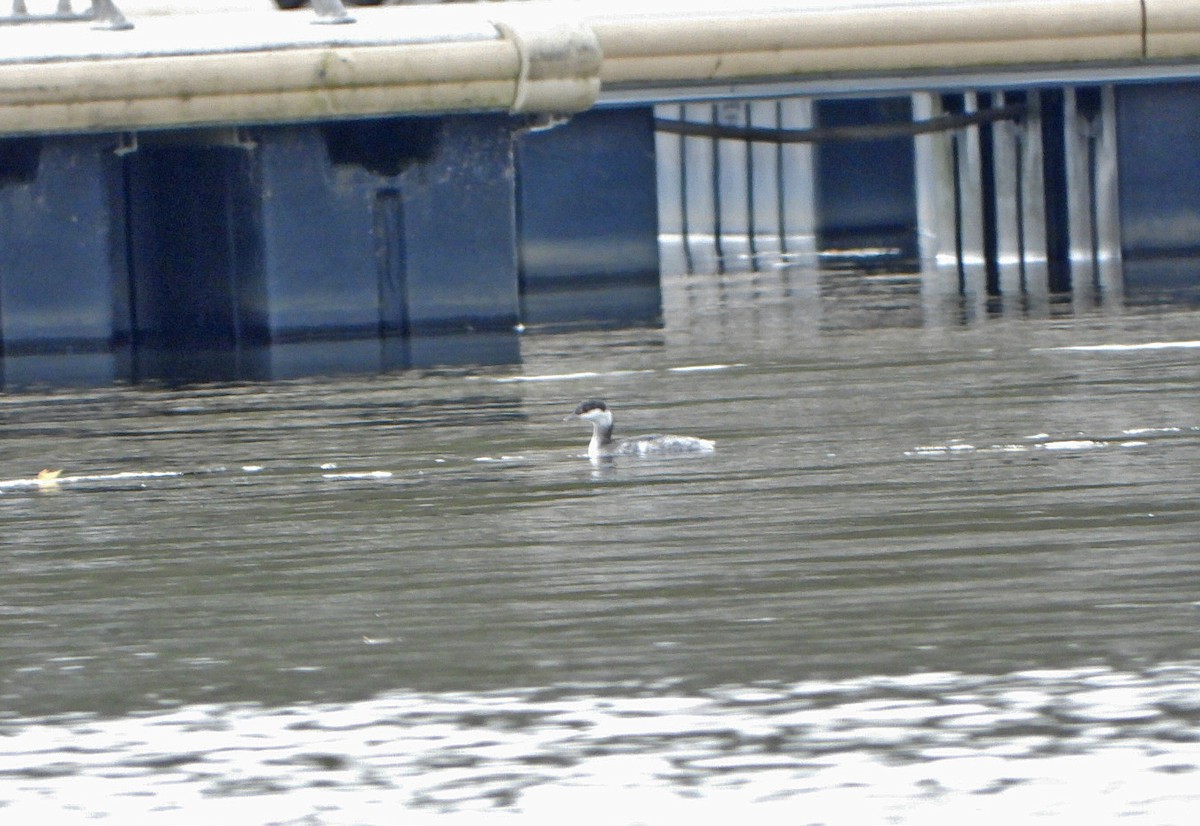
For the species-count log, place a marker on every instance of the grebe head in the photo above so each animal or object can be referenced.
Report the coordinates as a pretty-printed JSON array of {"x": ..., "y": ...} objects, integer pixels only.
[{"x": 594, "y": 411}]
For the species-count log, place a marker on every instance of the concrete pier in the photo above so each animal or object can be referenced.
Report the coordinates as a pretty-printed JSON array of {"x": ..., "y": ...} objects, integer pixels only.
[
  {"x": 298, "y": 235},
  {"x": 245, "y": 194}
]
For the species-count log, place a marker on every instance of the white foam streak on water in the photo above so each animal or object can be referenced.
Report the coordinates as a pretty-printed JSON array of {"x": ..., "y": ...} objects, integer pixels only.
[
  {"x": 922, "y": 749},
  {"x": 703, "y": 368},
  {"x": 1043, "y": 442},
  {"x": 587, "y": 374},
  {"x": 1073, "y": 444},
  {"x": 1124, "y": 348},
  {"x": 1147, "y": 431},
  {"x": 124, "y": 476}
]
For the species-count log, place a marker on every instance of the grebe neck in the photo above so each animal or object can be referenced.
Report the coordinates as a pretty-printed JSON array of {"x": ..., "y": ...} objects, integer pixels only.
[{"x": 601, "y": 437}]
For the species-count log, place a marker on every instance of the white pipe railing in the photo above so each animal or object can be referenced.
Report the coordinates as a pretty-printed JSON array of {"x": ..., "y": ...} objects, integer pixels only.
[
  {"x": 549, "y": 56},
  {"x": 863, "y": 37}
]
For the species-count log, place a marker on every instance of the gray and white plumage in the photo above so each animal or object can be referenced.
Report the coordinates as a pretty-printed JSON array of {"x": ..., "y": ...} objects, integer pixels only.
[{"x": 596, "y": 413}]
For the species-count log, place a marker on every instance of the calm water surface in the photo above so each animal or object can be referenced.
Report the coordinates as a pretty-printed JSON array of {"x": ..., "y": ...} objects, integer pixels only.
[{"x": 936, "y": 569}]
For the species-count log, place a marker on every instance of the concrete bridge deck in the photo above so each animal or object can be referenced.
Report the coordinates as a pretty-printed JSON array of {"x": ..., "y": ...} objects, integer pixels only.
[{"x": 559, "y": 56}]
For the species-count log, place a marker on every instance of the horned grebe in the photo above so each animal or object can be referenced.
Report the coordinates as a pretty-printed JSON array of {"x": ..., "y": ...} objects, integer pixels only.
[{"x": 600, "y": 417}]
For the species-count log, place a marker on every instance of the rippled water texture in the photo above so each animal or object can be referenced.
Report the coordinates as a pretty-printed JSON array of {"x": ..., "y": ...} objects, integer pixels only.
[{"x": 935, "y": 569}]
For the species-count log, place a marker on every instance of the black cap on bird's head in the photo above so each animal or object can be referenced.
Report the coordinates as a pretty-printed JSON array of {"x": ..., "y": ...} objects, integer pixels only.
[{"x": 589, "y": 405}]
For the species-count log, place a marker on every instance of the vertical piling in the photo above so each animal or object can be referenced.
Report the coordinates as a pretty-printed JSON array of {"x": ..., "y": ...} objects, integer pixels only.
[
  {"x": 733, "y": 191},
  {"x": 865, "y": 190},
  {"x": 971, "y": 217},
  {"x": 766, "y": 211},
  {"x": 320, "y": 280},
  {"x": 672, "y": 195},
  {"x": 936, "y": 196},
  {"x": 700, "y": 207},
  {"x": 1156, "y": 124},
  {"x": 64, "y": 308},
  {"x": 1107, "y": 201},
  {"x": 1034, "y": 243},
  {"x": 1008, "y": 202},
  {"x": 460, "y": 252},
  {"x": 195, "y": 241},
  {"x": 1057, "y": 197},
  {"x": 588, "y": 232},
  {"x": 797, "y": 181},
  {"x": 1081, "y": 112}
]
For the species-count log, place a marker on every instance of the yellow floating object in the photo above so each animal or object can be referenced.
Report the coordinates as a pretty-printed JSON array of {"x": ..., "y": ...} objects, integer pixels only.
[{"x": 48, "y": 477}]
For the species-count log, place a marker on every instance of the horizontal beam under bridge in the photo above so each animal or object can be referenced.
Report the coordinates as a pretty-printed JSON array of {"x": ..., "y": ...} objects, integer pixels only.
[{"x": 554, "y": 56}]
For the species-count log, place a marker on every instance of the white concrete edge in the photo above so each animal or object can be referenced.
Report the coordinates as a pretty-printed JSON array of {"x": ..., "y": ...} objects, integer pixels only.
[{"x": 556, "y": 56}]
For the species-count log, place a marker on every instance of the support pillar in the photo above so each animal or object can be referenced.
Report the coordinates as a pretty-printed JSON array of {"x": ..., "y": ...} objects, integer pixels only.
[
  {"x": 395, "y": 247},
  {"x": 297, "y": 250},
  {"x": 866, "y": 190},
  {"x": 1157, "y": 124},
  {"x": 64, "y": 309},
  {"x": 588, "y": 218},
  {"x": 195, "y": 244},
  {"x": 459, "y": 235}
]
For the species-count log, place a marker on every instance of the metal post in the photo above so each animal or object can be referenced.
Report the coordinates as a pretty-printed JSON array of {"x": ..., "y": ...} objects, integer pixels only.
[
  {"x": 672, "y": 227},
  {"x": 1032, "y": 182},
  {"x": 105, "y": 15},
  {"x": 766, "y": 228},
  {"x": 700, "y": 208},
  {"x": 1108, "y": 223},
  {"x": 970, "y": 219},
  {"x": 937, "y": 220},
  {"x": 797, "y": 173},
  {"x": 331, "y": 11},
  {"x": 733, "y": 190},
  {"x": 1006, "y": 169},
  {"x": 1079, "y": 131}
]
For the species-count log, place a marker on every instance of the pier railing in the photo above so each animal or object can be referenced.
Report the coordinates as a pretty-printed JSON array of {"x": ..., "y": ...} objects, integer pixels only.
[
  {"x": 558, "y": 56},
  {"x": 102, "y": 13}
]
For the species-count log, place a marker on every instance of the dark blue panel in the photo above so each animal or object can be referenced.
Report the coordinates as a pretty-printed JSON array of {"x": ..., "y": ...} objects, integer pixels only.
[
  {"x": 866, "y": 190},
  {"x": 588, "y": 219},
  {"x": 421, "y": 211},
  {"x": 1158, "y": 132},
  {"x": 195, "y": 249},
  {"x": 319, "y": 256},
  {"x": 63, "y": 284},
  {"x": 459, "y": 234}
]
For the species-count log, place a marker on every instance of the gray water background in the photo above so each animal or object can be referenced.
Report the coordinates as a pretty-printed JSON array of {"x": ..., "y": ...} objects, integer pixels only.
[{"x": 916, "y": 514}]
